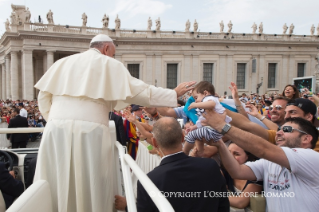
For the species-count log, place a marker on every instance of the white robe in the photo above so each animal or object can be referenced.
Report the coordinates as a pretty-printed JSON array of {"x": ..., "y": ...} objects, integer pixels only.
[{"x": 76, "y": 154}]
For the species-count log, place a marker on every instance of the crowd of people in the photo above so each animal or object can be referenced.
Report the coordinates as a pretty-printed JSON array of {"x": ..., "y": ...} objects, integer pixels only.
[
  {"x": 28, "y": 109},
  {"x": 275, "y": 154}
]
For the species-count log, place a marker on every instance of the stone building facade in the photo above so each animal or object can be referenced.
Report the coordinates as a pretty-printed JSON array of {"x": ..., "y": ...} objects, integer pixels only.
[{"x": 161, "y": 58}]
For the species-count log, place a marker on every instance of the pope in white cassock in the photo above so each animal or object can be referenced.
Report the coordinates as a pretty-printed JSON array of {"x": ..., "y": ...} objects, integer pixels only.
[{"x": 76, "y": 95}]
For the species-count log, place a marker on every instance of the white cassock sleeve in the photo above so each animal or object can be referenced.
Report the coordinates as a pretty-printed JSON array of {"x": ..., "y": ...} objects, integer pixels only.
[
  {"x": 151, "y": 96},
  {"x": 45, "y": 102}
]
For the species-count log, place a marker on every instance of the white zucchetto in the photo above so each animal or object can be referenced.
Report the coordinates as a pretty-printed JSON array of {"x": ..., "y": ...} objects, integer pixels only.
[{"x": 101, "y": 38}]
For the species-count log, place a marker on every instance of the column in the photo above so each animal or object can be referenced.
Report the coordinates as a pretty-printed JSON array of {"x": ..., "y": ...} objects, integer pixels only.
[
  {"x": 292, "y": 69},
  {"x": 14, "y": 76},
  {"x": 262, "y": 69},
  {"x": 50, "y": 58},
  {"x": 196, "y": 74},
  {"x": 229, "y": 74},
  {"x": 186, "y": 74},
  {"x": 3, "y": 81},
  {"x": 8, "y": 78},
  {"x": 285, "y": 72},
  {"x": 45, "y": 66},
  {"x": 158, "y": 71},
  {"x": 221, "y": 75},
  {"x": 149, "y": 69},
  {"x": 28, "y": 76}
]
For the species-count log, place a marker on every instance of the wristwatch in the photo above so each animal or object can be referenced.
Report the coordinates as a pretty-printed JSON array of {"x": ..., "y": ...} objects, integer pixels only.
[{"x": 225, "y": 129}]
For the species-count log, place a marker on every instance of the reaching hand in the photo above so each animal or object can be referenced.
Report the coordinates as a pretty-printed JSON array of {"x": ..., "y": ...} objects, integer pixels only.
[
  {"x": 253, "y": 110},
  {"x": 214, "y": 119},
  {"x": 234, "y": 90},
  {"x": 120, "y": 203},
  {"x": 191, "y": 106},
  {"x": 182, "y": 88},
  {"x": 150, "y": 110},
  {"x": 212, "y": 142},
  {"x": 129, "y": 116}
]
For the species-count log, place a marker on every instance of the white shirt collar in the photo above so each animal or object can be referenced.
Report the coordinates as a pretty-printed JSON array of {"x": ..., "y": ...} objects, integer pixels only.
[
  {"x": 95, "y": 50},
  {"x": 171, "y": 154}
]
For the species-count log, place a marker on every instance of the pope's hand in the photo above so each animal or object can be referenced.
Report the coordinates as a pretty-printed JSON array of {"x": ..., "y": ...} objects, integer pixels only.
[
  {"x": 214, "y": 119},
  {"x": 182, "y": 88}
]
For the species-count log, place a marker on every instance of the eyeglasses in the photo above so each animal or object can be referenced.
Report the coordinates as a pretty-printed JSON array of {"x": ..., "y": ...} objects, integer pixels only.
[
  {"x": 290, "y": 129},
  {"x": 278, "y": 107}
]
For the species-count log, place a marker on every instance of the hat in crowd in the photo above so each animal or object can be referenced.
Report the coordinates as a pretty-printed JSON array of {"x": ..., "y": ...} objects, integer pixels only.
[
  {"x": 268, "y": 101},
  {"x": 304, "y": 104},
  {"x": 135, "y": 108},
  {"x": 21, "y": 104}
]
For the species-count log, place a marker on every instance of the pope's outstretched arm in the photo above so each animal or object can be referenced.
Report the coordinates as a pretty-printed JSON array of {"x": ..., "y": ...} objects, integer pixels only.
[{"x": 45, "y": 102}]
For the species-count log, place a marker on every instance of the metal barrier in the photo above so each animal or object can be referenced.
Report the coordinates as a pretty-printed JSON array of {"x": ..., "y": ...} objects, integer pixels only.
[{"x": 127, "y": 164}]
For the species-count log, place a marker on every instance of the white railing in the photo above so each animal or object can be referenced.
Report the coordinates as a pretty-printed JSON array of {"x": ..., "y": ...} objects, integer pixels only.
[{"x": 126, "y": 163}]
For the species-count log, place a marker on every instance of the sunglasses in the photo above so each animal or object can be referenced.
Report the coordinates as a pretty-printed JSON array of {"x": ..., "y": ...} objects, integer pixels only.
[
  {"x": 290, "y": 129},
  {"x": 278, "y": 107}
]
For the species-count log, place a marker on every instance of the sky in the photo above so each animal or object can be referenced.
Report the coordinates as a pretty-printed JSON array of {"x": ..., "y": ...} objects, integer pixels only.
[{"x": 174, "y": 13}]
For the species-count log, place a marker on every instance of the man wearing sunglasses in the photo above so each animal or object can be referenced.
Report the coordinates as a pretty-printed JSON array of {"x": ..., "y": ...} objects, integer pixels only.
[{"x": 289, "y": 169}]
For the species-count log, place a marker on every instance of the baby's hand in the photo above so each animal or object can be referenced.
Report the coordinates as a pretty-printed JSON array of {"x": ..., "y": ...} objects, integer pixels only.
[
  {"x": 191, "y": 106},
  {"x": 191, "y": 128}
]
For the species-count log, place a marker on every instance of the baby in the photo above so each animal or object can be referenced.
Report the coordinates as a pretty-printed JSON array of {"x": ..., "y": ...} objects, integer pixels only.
[{"x": 203, "y": 94}]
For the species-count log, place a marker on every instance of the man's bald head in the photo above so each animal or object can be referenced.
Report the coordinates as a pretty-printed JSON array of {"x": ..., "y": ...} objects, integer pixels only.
[{"x": 168, "y": 133}]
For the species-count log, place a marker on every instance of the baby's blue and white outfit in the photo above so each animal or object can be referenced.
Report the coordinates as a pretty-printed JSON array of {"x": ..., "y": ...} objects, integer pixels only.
[{"x": 206, "y": 132}]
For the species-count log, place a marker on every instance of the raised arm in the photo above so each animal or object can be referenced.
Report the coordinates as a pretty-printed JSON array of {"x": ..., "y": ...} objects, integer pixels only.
[
  {"x": 254, "y": 112},
  {"x": 249, "y": 142},
  {"x": 203, "y": 105},
  {"x": 239, "y": 121},
  {"x": 239, "y": 107}
]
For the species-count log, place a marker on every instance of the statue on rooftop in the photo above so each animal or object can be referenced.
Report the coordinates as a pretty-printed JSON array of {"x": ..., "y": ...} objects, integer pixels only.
[
  {"x": 261, "y": 28},
  {"x": 105, "y": 21},
  {"x": 117, "y": 22},
  {"x": 7, "y": 24},
  {"x": 187, "y": 26},
  {"x": 85, "y": 19},
  {"x": 13, "y": 18},
  {"x": 50, "y": 17},
  {"x": 221, "y": 26},
  {"x": 285, "y": 28},
  {"x": 312, "y": 29},
  {"x": 27, "y": 15},
  {"x": 318, "y": 29},
  {"x": 230, "y": 26},
  {"x": 195, "y": 26},
  {"x": 149, "y": 23},
  {"x": 254, "y": 26},
  {"x": 291, "y": 29},
  {"x": 158, "y": 24}
]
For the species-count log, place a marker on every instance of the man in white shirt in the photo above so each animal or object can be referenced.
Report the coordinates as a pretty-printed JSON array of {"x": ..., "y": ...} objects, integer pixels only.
[
  {"x": 289, "y": 169},
  {"x": 23, "y": 111}
]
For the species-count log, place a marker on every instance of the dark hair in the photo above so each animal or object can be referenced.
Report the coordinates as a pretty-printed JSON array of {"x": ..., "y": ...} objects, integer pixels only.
[
  {"x": 205, "y": 86},
  {"x": 181, "y": 102},
  {"x": 296, "y": 95},
  {"x": 307, "y": 127},
  {"x": 17, "y": 110}
]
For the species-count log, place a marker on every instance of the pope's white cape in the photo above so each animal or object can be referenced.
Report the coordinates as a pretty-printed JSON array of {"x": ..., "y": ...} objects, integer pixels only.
[{"x": 97, "y": 76}]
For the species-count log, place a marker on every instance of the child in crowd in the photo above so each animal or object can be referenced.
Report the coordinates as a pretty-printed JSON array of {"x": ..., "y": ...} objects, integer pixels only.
[{"x": 203, "y": 94}]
